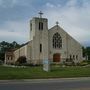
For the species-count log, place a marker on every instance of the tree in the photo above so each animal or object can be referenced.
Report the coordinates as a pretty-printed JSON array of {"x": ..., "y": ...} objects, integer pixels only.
[
  {"x": 84, "y": 51},
  {"x": 88, "y": 52}
]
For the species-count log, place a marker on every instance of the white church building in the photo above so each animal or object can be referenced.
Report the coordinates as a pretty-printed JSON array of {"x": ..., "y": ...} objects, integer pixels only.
[{"x": 53, "y": 44}]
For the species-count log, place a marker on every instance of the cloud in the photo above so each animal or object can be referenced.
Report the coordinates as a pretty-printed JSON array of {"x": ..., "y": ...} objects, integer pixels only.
[
  {"x": 50, "y": 5},
  {"x": 73, "y": 18},
  {"x": 12, "y": 3},
  {"x": 15, "y": 31},
  {"x": 7, "y": 3},
  {"x": 71, "y": 3},
  {"x": 0, "y": 2}
]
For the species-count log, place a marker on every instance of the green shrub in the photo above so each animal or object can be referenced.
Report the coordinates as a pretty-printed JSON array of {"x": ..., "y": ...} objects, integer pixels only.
[
  {"x": 1, "y": 62},
  {"x": 83, "y": 63},
  {"x": 88, "y": 61},
  {"x": 21, "y": 61}
]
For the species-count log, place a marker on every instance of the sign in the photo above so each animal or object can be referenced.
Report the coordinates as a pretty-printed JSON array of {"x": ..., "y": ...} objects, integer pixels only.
[{"x": 46, "y": 65}]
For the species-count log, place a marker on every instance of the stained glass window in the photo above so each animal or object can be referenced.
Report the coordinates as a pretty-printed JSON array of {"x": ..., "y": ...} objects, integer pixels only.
[{"x": 57, "y": 41}]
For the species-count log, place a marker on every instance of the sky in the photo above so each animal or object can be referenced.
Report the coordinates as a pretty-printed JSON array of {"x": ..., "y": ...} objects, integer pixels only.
[{"x": 73, "y": 16}]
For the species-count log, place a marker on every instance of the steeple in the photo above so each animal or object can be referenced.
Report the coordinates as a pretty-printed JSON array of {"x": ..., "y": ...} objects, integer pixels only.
[{"x": 38, "y": 25}]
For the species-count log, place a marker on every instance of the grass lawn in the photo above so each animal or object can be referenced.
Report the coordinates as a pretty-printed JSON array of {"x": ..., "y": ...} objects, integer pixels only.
[{"x": 37, "y": 72}]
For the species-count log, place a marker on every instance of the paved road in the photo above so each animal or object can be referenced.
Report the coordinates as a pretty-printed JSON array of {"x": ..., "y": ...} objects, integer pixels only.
[{"x": 51, "y": 84}]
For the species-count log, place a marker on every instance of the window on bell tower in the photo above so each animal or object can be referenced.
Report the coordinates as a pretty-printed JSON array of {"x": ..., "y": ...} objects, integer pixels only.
[
  {"x": 31, "y": 26},
  {"x": 40, "y": 26}
]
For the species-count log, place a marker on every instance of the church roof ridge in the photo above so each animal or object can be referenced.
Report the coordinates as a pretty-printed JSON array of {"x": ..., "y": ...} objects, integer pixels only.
[
  {"x": 23, "y": 45},
  {"x": 65, "y": 32},
  {"x": 55, "y": 26}
]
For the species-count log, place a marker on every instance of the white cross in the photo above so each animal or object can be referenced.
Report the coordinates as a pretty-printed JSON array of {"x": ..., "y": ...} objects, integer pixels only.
[{"x": 40, "y": 13}]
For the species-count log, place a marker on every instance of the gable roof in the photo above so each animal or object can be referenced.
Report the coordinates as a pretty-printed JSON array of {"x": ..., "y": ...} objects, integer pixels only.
[{"x": 59, "y": 28}]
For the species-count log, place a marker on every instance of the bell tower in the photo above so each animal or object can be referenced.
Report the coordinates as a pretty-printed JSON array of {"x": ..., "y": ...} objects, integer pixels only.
[{"x": 39, "y": 37}]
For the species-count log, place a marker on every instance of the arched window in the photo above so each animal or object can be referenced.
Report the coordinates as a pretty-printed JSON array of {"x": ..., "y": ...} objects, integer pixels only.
[{"x": 57, "y": 41}]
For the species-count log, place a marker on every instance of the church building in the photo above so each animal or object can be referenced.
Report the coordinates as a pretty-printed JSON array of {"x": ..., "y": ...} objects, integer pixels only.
[{"x": 53, "y": 44}]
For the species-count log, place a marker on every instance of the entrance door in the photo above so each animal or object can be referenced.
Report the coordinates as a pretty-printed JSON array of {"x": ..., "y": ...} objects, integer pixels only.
[{"x": 56, "y": 57}]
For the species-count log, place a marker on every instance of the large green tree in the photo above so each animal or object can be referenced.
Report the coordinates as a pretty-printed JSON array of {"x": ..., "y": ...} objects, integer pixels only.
[{"x": 86, "y": 52}]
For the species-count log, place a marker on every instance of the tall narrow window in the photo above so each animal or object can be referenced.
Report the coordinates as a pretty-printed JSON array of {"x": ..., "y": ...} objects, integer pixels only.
[
  {"x": 73, "y": 57},
  {"x": 77, "y": 57},
  {"x": 40, "y": 26},
  {"x": 31, "y": 26},
  {"x": 70, "y": 57},
  {"x": 57, "y": 41},
  {"x": 11, "y": 58},
  {"x": 8, "y": 58},
  {"x": 40, "y": 48}
]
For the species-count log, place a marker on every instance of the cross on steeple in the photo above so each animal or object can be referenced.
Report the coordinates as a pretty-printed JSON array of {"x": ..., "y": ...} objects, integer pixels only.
[
  {"x": 40, "y": 13},
  {"x": 57, "y": 23}
]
